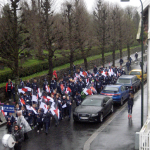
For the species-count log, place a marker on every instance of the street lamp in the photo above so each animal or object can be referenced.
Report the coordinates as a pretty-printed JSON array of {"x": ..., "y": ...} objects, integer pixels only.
[{"x": 142, "y": 59}]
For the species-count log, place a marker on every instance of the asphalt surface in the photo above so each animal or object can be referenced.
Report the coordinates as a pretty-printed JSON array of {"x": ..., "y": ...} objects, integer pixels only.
[{"x": 115, "y": 133}]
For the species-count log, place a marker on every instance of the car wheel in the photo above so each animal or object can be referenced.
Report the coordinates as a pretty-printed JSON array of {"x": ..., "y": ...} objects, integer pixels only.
[
  {"x": 101, "y": 117},
  {"x": 121, "y": 103},
  {"x": 112, "y": 108}
]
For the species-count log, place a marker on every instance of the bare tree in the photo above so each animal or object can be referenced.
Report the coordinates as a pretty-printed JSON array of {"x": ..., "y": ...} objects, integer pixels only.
[
  {"x": 68, "y": 23},
  {"x": 52, "y": 33},
  {"x": 13, "y": 39},
  {"x": 102, "y": 26},
  {"x": 82, "y": 29}
]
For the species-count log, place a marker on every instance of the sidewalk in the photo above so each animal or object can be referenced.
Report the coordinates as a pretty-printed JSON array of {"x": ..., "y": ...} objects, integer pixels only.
[{"x": 119, "y": 134}]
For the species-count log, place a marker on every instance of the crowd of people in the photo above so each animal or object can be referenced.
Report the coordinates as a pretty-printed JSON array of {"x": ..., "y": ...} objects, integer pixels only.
[
  {"x": 36, "y": 109},
  {"x": 56, "y": 97}
]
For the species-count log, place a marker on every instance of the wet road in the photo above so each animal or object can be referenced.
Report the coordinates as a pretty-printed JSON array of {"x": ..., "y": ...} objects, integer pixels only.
[{"x": 67, "y": 136}]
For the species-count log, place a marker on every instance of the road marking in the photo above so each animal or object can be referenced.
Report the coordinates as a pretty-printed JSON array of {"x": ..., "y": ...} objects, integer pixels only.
[{"x": 101, "y": 128}]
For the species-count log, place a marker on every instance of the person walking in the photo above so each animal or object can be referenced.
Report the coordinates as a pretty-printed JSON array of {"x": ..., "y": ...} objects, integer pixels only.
[
  {"x": 121, "y": 61},
  {"x": 130, "y": 104},
  {"x": 136, "y": 56},
  {"x": 18, "y": 134},
  {"x": 128, "y": 65}
]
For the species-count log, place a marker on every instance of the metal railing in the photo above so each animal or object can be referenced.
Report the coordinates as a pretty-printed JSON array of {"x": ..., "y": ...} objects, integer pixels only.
[{"x": 144, "y": 136}]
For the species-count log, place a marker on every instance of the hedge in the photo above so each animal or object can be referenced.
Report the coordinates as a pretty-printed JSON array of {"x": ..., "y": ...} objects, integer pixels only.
[{"x": 32, "y": 69}]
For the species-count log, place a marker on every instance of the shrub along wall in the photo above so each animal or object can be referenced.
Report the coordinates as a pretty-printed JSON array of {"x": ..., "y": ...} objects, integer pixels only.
[{"x": 32, "y": 69}]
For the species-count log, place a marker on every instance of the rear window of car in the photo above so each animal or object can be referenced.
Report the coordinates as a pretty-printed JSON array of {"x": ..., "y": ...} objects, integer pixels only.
[
  {"x": 135, "y": 73},
  {"x": 125, "y": 81},
  {"x": 108, "y": 89}
]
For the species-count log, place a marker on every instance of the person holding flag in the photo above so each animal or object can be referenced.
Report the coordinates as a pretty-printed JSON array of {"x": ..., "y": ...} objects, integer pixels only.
[
  {"x": 46, "y": 119},
  {"x": 69, "y": 103},
  {"x": 39, "y": 120}
]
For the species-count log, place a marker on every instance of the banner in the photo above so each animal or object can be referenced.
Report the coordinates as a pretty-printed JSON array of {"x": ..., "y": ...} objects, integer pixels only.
[{"x": 8, "y": 108}]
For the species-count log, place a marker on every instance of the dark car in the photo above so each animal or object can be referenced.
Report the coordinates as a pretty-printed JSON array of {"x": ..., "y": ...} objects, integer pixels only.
[
  {"x": 118, "y": 92},
  {"x": 93, "y": 109},
  {"x": 129, "y": 81}
]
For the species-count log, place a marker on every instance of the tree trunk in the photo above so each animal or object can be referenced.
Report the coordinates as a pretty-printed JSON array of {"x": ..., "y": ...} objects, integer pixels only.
[
  {"x": 113, "y": 55},
  {"x": 128, "y": 49},
  {"x": 50, "y": 62},
  {"x": 103, "y": 57},
  {"x": 71, "y": 63},
  {"x": 120, "y": 48},
  {"x": 85, "y": 64}
]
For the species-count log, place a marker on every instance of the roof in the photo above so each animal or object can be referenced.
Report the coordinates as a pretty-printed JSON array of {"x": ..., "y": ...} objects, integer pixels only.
[{"x": 126, "y": 76}]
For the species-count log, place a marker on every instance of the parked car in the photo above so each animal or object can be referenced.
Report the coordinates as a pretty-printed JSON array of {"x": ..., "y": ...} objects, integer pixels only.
[
  {"x": 93, "y": 109},
  {"x": 129, "y": 81},
  {"x": 119, "y": 93},
  {"x": 138, "y": 73}
]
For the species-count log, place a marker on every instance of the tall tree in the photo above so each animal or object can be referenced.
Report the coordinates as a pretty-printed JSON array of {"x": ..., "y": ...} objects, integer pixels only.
[
  {"x": 82, "y": 30},
  {"x": 102, "y": 26},
  {"x": 69, "y": 32},
  {"x": 13, "y": 39},
  {"x": 52, "y": 33}
]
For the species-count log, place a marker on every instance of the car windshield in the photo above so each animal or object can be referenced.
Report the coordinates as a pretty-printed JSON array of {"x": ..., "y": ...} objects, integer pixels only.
[
  {"x": 125, "y": 81},
  {"x": 109, "y": 89},
  {"x": 135, "y": 73},
  {"x": 92, "y": 102}
]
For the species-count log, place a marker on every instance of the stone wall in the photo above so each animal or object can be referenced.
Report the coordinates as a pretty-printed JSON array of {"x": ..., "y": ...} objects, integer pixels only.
[{"x": 60, "y": 73}]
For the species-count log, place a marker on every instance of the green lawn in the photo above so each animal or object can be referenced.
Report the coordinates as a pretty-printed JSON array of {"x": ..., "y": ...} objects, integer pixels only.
[{"x": 31, "y": 62}]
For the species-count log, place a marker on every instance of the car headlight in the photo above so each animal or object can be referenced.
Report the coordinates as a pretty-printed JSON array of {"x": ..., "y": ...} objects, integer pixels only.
[
  {"x": 93, "y": 115},
  {"x": 75, "y": 113}
]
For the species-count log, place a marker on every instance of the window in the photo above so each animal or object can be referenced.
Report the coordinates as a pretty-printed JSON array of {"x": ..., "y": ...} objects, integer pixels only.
[
  {"x": 125, "y": 81},
  {"x": 109, "y": 89},
  {"x": 135, "y": 73}
]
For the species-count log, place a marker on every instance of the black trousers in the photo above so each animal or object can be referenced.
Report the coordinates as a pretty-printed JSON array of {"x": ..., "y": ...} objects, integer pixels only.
[{"x": 17, "y": 147}]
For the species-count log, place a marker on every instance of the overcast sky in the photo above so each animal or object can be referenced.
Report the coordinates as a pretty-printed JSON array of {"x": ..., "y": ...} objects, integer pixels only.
[
  {"x": 136, "y": 3},
  {"x": 91, "y": 3}
]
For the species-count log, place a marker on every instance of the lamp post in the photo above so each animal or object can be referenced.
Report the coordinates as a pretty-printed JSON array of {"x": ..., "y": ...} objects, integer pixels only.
[{"x": 142, "y": 59}]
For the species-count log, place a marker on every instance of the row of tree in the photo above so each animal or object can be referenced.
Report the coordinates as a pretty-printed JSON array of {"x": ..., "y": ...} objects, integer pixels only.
[{"x": 37, "y": 25}]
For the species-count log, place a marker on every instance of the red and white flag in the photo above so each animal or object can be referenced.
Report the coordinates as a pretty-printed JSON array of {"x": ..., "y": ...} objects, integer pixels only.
[
  {"x": 2, "y": 110},
  {"x": 55, "y": 111},
  {"x": 47, "y": 89},
  {"x": 88, "y": 91},
  {"x": 50, "y": 99},
  {"x": 77, "y": 75},
  {"x": 62, "y": 87},
  {"x": 22, "y": 101},
  {"x": 34, "y": 110},
  {"x": 44, "y": 107},
  {"x": 39, "y": 92},
  {"x": 68, "y": 90},
  {"x": 35, "y": 98},
  {"x": 93, "y": 89},
  {"x": 110, "y": 72},
  {"x": 23, "y": 90},
  {"x": 64, "y": 106},
  {"x": 28, "y": 107},
  {"x": 83, "y": 73}
]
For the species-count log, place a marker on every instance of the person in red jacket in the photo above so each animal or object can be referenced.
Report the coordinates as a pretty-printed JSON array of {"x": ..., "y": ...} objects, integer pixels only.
[
  {"x": 9, "y": 88},
  {"x": 55, "y": 75}
]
